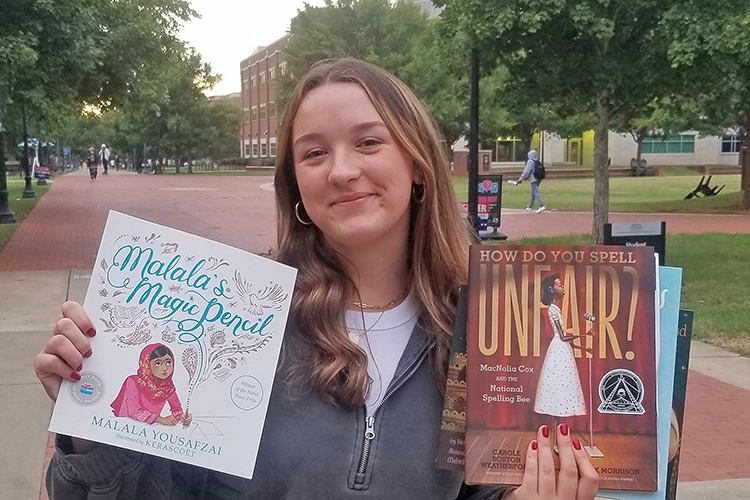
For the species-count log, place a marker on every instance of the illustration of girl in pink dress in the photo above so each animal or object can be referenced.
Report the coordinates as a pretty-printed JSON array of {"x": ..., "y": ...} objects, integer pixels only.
[
  {"x": 143, "y": 395},
  {"x": 559, "y": 392}
]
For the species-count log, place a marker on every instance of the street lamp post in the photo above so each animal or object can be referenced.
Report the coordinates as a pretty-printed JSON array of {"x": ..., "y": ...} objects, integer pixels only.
[
  {"x": 28, "y": 191},
  {"x": 6, "y": 214},
  {"x": 160, "y": 168}
]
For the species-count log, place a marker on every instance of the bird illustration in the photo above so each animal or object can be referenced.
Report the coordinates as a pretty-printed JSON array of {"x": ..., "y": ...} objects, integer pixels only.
[{"x": 270, "y": 297}]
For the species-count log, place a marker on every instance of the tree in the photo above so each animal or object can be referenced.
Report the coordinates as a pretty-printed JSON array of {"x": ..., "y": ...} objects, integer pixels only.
[
  {"x": 587, "y": 56},
  {"x": 57, "y": 57},
  {"x": 711, "y": 44},
  {"x": 397, "y": 37}
]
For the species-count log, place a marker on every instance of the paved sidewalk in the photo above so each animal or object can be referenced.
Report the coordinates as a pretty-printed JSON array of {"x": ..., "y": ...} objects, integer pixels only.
[{"x": 50, "y": 256}]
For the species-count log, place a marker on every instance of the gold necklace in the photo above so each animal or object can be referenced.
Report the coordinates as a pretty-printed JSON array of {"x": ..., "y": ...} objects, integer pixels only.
[{"x": 389, "y": 305}]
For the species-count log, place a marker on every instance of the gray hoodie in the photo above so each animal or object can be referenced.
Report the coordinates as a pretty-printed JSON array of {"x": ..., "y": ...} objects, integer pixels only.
[{"x": 528, "y": 169}]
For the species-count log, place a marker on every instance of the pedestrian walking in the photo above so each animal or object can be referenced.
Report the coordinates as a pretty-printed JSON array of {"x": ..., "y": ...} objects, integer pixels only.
[
  {"x": 92, "y": 161},
  {"x": 367, "y": 213},
  {"x": 104, "y": 156},
  {"x": 533, "y": 171}
]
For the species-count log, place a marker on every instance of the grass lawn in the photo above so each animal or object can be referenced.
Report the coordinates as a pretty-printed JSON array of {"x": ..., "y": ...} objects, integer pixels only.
[
  {"x": 662, "y": 194},
  {"x": 254, "y": 171},
  {"x": 21, "y": 207}
]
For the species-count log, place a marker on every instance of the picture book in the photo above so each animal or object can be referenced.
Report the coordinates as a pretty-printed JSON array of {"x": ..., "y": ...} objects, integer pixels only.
[
  {"x": 562, "y": 334},
  {"x": 188, "y": 338},
  {"x": 685, "y": 334},
  {"x": 451, "y": 449},
  {"x": 670, "y": 286}
]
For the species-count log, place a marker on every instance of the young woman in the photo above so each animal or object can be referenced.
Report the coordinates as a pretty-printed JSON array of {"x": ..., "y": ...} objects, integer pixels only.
[
  {"x": 367, "y": 214},
  {"x": 142, "y": 396}
]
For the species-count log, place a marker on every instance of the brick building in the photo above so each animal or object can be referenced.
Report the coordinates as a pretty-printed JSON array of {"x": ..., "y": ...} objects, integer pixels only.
[{"x": 258, "y": 97}]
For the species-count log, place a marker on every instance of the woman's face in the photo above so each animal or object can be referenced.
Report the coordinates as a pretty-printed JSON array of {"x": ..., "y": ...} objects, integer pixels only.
[
  {"x": 354, "y": 178},
  {"x": 162, "y": 368},
  {"x": 558, "y": 290}
]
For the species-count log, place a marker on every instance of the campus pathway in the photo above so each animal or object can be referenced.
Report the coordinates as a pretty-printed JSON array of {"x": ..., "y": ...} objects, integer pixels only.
[{"x": 51, "y": 254}]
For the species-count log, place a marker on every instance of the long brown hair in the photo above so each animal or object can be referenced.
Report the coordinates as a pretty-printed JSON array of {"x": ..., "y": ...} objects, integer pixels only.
[{"x": 325, "y": 358}]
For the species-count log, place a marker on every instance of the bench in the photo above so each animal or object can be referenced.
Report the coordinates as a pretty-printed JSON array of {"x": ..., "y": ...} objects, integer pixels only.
[{"x": 643, "y": 169}]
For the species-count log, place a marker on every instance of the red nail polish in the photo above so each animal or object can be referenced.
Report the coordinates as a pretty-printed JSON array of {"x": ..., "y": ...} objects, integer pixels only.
[
  {"x": 534, "y": 445},
  {"x": 87, "y": 354},
  {"x": 91, "y": 332},
  {"x": 80, "y": 367},
  {"x": 545, "y": 431},
  {"x": 75, "y": 376},
  {"x": 564, "y": 429},
  {"x": 576, "y": 444}
]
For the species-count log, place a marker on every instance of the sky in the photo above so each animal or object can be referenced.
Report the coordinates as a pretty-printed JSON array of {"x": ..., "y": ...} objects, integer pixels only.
[{"x": 230, "y": 30}]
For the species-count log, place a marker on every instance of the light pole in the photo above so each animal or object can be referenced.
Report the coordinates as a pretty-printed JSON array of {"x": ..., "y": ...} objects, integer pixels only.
[
  {"x": 160, "y": 168},
  {"x": 6, "y": 214},
  {"x": 28, "y": 191}
]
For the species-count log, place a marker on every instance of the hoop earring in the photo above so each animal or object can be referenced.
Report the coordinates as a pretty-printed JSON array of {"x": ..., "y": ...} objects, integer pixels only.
[
  {"x": 418, "y": 193},
  {"x": 296, "y": 212}
]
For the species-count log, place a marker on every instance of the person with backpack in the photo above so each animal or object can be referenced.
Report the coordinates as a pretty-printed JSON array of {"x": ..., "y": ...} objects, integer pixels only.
[{"x": 534, "y": 171}]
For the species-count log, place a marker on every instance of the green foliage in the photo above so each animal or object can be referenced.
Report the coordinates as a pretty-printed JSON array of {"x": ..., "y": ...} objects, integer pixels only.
[
  {"x": 396, "y": 36},
  {"x": 605, "y": 59}
]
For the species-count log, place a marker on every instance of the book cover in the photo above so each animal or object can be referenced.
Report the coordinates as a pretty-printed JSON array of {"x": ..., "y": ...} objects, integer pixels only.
[
  {"x": 451, "y": 444},
  {"x": 562, "y": 334},
  {"x": 685, "y": 334},
  {"x": 188, "y": 338},
  {"x": 670, "y": 287}
]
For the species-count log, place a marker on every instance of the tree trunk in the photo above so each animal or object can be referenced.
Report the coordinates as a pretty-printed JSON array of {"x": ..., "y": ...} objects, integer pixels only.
[
  {"x": 638, "y": 153},
  {"x": 601, "y": 168},
  {"x": 745, "y": 165}
]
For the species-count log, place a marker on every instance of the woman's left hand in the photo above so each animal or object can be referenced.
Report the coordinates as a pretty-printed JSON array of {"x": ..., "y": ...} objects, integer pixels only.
[
  {"x": 576, "y": 480},
  {"x": 186, "y": 419}
]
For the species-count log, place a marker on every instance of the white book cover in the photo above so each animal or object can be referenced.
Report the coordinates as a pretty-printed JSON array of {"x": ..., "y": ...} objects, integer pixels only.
[{"x": 188, "y": 337}]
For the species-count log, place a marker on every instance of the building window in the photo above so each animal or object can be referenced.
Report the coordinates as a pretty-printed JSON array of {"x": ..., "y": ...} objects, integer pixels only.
[
  {"x": 672, "y": 144},
  {"x": 282, "y": 68},
  {"x": 272, "y": 109},
  {"x": 731, "y": 144},
  {"x": 246, "y": 115},
  {"x": 273, "y": 147},
  {"x": 255, "y": 148},
  {"x": 252, "y": 81},
  {"x": 263, "y": 149},
  {"x": 263, "y": 77},
  {"x": 254, "y": 113},
  {"x": 508, "y": 149},
  {"x": 244, "y": 84},
  {"x": 272, "y": 73},
  {"x": 262, "y": 111},
  {"x": 246, "y": 150}
]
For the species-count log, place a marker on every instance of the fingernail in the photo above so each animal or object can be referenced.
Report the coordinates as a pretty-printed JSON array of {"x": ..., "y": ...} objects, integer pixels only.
[
  {"x": 91, "y": 332},
  {"x": 87, "y": 354},
  {"x": 534, "y": 445},
  {"x": 80, "y": 367},
  {"x": 564, "y": 429},
  {"x": 576, "y": 444},
  {"x": 75, "y": 376},
  {"x": 545, "y": 431}
]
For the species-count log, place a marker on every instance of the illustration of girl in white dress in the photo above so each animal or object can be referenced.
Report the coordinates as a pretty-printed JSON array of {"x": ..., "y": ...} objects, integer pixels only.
[{"x": 559, "y": 392}]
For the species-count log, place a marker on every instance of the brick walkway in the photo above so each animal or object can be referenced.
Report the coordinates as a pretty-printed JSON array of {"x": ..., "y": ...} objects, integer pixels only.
[{"x": 64, "y": 229}]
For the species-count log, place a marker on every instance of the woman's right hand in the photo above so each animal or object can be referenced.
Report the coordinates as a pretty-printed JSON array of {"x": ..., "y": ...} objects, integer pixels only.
[{"x": 64, "y": 353}]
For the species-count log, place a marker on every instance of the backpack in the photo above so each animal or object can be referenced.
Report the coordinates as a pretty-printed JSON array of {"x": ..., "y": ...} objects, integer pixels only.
[{"x": 539, "y": 172}]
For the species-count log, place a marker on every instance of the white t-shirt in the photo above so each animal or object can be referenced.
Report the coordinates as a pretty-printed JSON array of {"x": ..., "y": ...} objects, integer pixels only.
[{"x": 383, "y": 336}]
